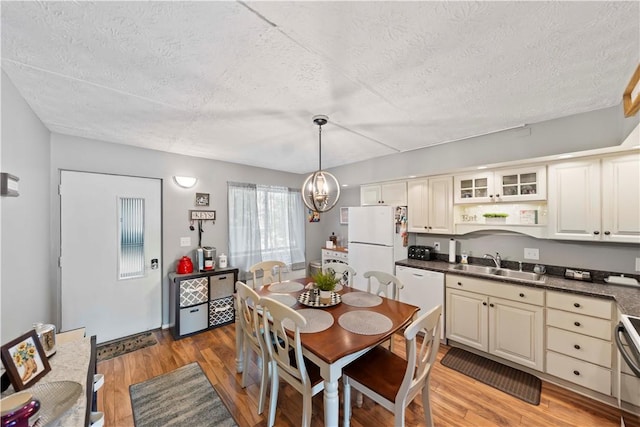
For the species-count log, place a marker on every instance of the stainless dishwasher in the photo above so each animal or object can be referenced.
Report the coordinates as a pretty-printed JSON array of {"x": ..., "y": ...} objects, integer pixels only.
[{"x": 424, "y": 288}]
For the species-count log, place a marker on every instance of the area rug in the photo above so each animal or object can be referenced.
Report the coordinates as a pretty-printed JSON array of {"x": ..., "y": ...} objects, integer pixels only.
[
  {"x": 183, "y": 397},
  {"x": 111, "y": 349},
  {"x": 517, "y": 383}
]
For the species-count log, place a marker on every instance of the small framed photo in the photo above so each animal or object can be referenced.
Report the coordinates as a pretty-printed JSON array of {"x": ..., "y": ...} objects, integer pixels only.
[
  {"x": 202, "y": 199},
  {"x": 25, "y": 360},
  {"x": 344, "y": 215},
  {"x": 313, "y": 216}
]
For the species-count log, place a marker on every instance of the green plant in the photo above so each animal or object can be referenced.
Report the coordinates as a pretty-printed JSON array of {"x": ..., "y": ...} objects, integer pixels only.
[
  {"x": 325, "y": 280},
  {"x": 495, "y": 215}
]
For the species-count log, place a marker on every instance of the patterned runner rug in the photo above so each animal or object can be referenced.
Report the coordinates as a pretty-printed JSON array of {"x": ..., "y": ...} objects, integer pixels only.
[
  {"x": 183, "y": 397},
  {"x": 111, "y": 349},
  {"x": 517, "y": 383}
]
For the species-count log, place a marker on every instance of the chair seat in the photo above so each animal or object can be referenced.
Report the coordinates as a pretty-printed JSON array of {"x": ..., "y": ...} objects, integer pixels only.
[
  {"x": 379, "y": 370},
  {"x": 313, "y": 370}
]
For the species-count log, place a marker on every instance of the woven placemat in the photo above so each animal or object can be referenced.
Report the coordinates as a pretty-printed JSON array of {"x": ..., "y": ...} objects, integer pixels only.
[
  {"x": 513, "y": 381},
  {"x": 285, "y": 299},
  {"x": 317, "y": 321},
  {"x": 361, "y": 299},
  {"x": 286, "y": 287},
  {"x": 365, "y": 322}
]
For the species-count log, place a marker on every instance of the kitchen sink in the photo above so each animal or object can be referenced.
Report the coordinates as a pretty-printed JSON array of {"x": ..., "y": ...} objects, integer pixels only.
[
  {"x": 500, "y": 272},
  {"x": 479, "y": 269},
  {"x": 522, "y": 275}
]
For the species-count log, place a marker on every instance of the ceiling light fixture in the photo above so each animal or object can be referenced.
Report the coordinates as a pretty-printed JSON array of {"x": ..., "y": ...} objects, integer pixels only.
[
  {"x": 185, "y": 181},
  {"x": 321, "y": 190}
]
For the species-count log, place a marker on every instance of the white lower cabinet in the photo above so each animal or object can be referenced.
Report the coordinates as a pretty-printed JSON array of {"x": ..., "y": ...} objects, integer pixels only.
[
  {"x": 504, "y": 320},
  {"x": 579, "y": 340}
]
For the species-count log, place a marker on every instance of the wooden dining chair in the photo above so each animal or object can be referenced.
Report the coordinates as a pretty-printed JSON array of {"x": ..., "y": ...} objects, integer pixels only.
[
  {"x": 388, "y": 285},
  {"x": 390, "y": 380},
  {"x": 342, "y": 271},
  {"x": 267, "y": 268},
  {"x": 250, "y": 319},
  {"x": 285, "y": 357}
]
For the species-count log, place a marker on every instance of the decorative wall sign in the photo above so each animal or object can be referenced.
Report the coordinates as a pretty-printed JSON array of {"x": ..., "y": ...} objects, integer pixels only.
[
  {"x": 202, "y": 199},
  {"x": 344, "y": 215},
  {"x": 204, "y": 215},
  {"x": 24, "y": 360}
]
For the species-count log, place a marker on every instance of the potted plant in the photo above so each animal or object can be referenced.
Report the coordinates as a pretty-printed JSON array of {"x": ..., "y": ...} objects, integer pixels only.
[
  {"x": 325, "y": 281},
  {"x": 495, "y": 217}
]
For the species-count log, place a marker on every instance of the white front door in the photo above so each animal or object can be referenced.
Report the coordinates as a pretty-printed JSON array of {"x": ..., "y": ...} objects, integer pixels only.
[{"x": 111, "y": 280}]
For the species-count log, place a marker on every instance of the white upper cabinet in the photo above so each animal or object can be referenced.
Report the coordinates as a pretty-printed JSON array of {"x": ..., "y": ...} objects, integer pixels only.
[
  {"x": 389, "y": 193},
  {"x": 502, "y": 185},
  {"x": 596, "y": 199},
  {"x": 430, "y": 205}
]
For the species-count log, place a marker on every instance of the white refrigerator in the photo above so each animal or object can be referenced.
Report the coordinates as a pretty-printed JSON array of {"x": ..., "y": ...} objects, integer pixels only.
[{"x": 377, "y": 238}]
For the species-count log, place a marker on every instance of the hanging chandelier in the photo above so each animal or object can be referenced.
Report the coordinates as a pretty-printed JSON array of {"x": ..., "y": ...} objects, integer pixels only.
[{"x": 321, "y": 190}]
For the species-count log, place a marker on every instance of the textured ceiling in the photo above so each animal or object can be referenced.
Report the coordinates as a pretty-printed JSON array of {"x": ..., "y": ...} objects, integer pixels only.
[{"x": 240, "y": 81}]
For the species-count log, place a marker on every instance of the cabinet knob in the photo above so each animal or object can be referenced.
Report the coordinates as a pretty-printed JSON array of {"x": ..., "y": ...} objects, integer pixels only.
[
  {"x": 576, "y": 372},
  {"x": 576, "y": 323},
  {"x": 426, "y": 227},
  {"x": 596, "y": 232},
  {"x": 576, "y": 305},
  {"x": 491, "y": 305},
  {"x": 497, "y": 195},
  {"x": 606, "y": 233},
  {"x": 484, "y": 303},
  {"x": 576, "y": 346},
  {"x": 459, "y": 283},
  {"x": 521, "y": 295},
  {"x": 491, "y": 196}
]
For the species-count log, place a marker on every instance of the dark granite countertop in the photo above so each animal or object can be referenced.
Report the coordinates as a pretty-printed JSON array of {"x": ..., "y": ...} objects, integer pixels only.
[{"x": 626, "y": 297}]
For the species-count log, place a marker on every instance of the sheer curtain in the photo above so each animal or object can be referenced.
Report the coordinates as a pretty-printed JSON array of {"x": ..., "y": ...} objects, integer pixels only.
[{"x": 265, "y": 223}]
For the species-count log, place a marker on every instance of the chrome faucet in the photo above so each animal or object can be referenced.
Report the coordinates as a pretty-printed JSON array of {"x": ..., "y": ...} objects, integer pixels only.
[{"x": 495, "y": 259}]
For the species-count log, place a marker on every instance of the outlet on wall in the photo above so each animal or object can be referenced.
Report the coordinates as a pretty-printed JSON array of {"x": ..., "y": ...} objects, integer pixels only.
[
  {"x": 637, "y": 264},
  {"x": 185, "y": 241},
  {"x": 436, "y": 246},
  {"x": 531, "y": 253}
]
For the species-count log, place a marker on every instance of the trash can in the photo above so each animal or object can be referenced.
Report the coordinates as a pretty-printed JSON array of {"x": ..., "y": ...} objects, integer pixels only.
[{"x": 314, "y": 267}]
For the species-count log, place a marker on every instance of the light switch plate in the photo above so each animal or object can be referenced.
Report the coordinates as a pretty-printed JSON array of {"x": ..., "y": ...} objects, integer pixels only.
[
  {"x": 637, "y": 264},
  {"x": 531, "y": 253},
  {"x": 185, "y": 241}
]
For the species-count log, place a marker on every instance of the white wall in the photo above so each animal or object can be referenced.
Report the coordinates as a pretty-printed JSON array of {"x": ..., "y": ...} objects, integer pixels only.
[{"x": 26, "y": 288}]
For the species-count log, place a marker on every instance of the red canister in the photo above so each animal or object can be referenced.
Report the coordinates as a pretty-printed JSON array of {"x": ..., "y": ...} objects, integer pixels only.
[{"x": 185, "y": 265}]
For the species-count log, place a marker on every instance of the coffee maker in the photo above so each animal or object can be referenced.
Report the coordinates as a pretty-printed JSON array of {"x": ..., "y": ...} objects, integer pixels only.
[{"x": 209, "y": 257}]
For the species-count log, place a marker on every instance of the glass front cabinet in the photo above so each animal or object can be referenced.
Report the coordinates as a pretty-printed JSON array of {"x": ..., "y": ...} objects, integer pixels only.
[{"x": 502, "y": 185}]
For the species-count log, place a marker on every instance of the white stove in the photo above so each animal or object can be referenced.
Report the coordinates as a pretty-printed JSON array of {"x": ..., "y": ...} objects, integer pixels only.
[{"x": 629, "y": 326}]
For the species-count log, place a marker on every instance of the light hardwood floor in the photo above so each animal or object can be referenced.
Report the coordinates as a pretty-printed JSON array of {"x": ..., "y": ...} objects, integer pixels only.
[{"x": 456, "y": 399}]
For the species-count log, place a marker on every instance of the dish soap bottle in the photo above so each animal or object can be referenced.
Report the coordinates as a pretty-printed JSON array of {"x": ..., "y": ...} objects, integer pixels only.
[{"x": 465, "y": 258}]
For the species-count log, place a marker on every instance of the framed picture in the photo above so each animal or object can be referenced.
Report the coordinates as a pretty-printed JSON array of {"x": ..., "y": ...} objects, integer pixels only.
[
  {"x": 24, "y": 360},
  {"x": 313, "y": 216},
  {"x": 202, "y": 199},
  {"x": 344, "y": 215}
]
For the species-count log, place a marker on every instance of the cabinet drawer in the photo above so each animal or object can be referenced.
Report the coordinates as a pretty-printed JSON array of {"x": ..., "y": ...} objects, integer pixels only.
[
  {"x": 221, "y": 311},
  {"x": 221, "y": 285},
  {"x": 580, "y": 324},
  {"x": 193, "y": 319},
  {"x": 580, "y": 346},
  {"x": 580, "y": 304},
  {"x": 194, "y": 291},
  {"x": 329, "y": 255},
  {"x": 630, "y": 389},
  {"x": 579, "y": 372},
  {"x": 523, "y": 294}
]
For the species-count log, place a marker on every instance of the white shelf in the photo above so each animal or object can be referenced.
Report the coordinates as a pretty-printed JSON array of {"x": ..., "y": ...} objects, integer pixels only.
[{"x": 533, "y": 230}]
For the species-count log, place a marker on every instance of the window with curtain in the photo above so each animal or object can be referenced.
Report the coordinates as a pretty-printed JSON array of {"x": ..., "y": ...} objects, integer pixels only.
[{"x": 265, "y": 223}]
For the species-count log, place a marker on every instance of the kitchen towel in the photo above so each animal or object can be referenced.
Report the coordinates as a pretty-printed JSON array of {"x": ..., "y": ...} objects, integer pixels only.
[{"x": 452, "y": 250}]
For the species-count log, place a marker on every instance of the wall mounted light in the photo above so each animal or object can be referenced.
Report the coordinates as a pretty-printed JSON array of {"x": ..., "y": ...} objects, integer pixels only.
[{"x": 185, "y": 181}]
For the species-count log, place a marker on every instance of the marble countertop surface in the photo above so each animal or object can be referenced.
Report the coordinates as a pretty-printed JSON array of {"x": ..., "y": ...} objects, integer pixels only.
[{"x": 626, "y": 297}]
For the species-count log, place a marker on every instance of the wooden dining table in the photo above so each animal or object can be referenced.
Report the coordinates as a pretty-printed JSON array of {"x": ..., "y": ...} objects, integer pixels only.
[{"x": 334, "y": 348}]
